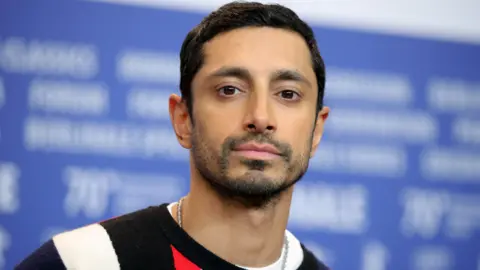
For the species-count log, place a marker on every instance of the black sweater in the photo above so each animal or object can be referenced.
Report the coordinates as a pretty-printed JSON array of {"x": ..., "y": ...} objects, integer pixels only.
[{"x": 145, "y": 239}]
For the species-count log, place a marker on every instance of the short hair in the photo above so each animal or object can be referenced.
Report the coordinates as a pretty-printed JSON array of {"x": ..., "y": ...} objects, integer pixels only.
[{"x": 237, "y": 15}]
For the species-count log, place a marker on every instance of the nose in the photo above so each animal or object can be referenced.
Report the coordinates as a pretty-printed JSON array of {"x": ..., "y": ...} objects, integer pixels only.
[{"x": 260, "y": 117}]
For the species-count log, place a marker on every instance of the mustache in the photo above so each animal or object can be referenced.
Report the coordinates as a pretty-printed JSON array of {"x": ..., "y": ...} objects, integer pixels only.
[{"x": 231, "y": 143}]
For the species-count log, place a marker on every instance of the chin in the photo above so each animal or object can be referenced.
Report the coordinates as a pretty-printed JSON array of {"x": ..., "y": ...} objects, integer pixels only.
[
  {"x": 258, "y": 179},
  {"x": 255, "y": 173},
  {"x": 252, "y": 188}
]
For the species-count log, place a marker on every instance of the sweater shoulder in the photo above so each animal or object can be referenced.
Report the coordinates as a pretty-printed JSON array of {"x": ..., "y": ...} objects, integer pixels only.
[
  {"x": 311, "y": 262},
  {"x": 130, "y": 241},
  {"x": 138, "y": 239},
  {"x": 43, "y": 258}
]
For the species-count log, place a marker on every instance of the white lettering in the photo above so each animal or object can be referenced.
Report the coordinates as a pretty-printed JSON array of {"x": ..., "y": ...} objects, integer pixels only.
[
  {"x": 143, "y": 66},
  {"x": 464, "y": 216},
  {"x": 67, "y": 97},
  {"x": 148, "y": 104},
  {"x": 9, "y": 188},
  {"x": 48, "y": 58},
  {"x": 88, "y": 192},
  {"x": 61, "y": 135},
  {"x": 375, "y": 256},
  {"x": 369, "y": 86},
  {"x": 5, "y": 242},
  {"x": 467, "y": 131},
  {"x": 343, "y": 209},
  {"x": 450, "y": 165},
  {"x": 141, "y": 190},
  {"x": 432, "y": 258},
  {"x": 423, "y": 212},
  {"x": 363, "y": 159},
  {"x": 453, "y": 95},
  {"x": 422, "y": 128}
]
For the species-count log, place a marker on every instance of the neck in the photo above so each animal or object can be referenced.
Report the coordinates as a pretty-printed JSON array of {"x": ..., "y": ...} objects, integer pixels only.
[{"x": 241, "y": 236}]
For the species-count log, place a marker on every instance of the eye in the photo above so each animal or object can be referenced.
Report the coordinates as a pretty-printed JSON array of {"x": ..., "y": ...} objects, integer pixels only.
[
  {"x": 228, "y": 90},
  {"x": 289, "y": 95}
]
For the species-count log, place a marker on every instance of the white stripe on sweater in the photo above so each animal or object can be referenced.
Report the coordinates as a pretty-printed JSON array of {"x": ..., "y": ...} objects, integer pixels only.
[{"x": 87, "y": 248}]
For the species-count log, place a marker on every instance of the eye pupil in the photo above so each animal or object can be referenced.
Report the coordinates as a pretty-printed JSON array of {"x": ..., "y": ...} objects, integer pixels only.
[
  {"x": 288, "y": 94},
  {"x": 228, "y": 90}
]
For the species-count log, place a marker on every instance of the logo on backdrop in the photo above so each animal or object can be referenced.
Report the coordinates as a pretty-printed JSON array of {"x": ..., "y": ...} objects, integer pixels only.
[
  {"x": 344, "y": 208},
  {"x": 93, "y": 191}
]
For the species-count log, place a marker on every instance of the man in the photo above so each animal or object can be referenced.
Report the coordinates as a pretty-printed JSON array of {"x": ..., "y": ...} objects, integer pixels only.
[{"x": 251, "y": 113}]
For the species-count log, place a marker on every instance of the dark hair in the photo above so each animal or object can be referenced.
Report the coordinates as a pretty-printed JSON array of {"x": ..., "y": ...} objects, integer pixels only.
[{"x": 238, "y": 15}]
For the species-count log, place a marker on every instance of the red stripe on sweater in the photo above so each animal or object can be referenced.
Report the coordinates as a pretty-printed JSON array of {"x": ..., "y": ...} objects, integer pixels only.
[{"x": 182, "y": 263}]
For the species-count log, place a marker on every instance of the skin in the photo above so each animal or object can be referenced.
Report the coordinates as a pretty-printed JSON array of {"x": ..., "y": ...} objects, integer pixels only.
[{"x": 256, "y": 85}]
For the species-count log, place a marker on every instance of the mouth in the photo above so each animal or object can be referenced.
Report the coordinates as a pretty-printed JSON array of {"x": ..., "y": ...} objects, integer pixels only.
[{"x": 257, "y": 151}]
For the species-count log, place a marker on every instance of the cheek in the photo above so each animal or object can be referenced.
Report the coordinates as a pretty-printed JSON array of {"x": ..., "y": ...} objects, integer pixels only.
[
  {"x": 298, "y": 128},
  {"x": 217, "y": 124},
  {"x": 211, "y": 134},
  {"x": 300, "y": 136}
]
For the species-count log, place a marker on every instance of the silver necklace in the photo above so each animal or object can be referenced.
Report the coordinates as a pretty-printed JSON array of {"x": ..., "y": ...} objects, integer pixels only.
[{"x": 286, "y": 244}]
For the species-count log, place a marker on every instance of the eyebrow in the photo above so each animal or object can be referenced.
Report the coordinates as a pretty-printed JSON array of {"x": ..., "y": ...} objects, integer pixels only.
[
  {"x": 290, "y": 75},
  {"x": 236, "y": 72},
  {"x": 278, "y": 75}
]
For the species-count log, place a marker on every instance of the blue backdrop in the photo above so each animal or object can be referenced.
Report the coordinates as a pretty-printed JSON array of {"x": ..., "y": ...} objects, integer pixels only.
[{"x": 85, "y": 135}]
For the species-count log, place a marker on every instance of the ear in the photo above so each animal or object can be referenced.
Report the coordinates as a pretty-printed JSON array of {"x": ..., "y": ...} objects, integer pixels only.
[
  {"x": 318, "y": 132},
  {"x": 180, "y": 120}
]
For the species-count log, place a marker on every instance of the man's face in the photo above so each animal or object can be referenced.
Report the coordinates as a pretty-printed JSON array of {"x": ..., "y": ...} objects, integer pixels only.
[{"x": 254, "y": 111}]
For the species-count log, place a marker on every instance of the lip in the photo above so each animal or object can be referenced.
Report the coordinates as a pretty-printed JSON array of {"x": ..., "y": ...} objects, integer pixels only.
[
  {"x": 267, "y": 148},
  {"x": 257, "y": 151}
]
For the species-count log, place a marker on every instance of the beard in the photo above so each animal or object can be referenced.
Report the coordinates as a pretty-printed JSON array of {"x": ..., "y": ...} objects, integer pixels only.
[{"x": 254, "y": 188}]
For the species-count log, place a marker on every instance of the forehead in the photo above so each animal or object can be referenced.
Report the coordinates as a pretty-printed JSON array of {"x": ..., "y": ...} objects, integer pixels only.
[{"x": 261, "y": 50}]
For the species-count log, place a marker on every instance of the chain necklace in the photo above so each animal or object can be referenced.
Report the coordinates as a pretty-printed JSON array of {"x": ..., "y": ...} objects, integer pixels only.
[{"x": 286, "y": 244}]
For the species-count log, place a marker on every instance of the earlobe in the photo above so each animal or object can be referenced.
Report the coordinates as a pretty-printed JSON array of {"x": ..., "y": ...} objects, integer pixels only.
[
  {"x": 180, "y": 120},
  {"x": 318, "y": 131}
]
